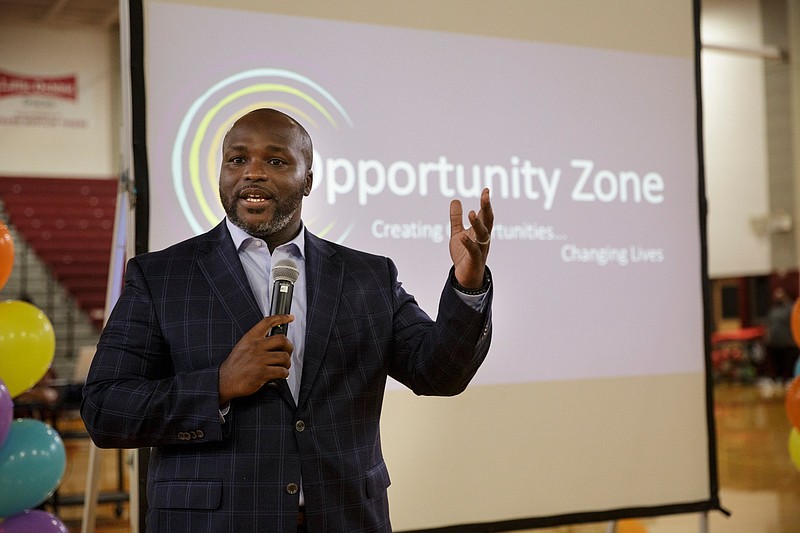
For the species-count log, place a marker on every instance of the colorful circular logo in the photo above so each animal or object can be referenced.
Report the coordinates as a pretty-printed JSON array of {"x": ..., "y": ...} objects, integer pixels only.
[{"x": 196, "y": 153}]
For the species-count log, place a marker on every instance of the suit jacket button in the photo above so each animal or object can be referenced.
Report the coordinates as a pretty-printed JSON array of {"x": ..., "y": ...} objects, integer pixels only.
[
  {"x": 200, "y": 434},
  {"x": 183, "y": 435},
  {"x": 292, "y": 488},
  {"x": 300, "y": 426}
]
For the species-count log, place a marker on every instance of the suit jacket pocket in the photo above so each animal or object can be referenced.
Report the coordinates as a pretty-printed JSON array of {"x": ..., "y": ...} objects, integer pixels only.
[
  {"x": 377, "y": 480},
  {"x": 188, "y": 494}
]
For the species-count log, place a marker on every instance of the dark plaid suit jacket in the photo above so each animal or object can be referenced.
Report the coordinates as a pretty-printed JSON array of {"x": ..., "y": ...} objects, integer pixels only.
[{"x": 154, "y": 383}]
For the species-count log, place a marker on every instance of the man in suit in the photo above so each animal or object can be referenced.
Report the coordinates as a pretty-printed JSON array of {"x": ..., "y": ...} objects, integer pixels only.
[{"x": 276, "y": 433}]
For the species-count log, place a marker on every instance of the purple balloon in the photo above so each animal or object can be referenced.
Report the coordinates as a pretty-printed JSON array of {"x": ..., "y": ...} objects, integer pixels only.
[
  {"x": 6, "y": 412},
  {"x": 33, "y": 521}
]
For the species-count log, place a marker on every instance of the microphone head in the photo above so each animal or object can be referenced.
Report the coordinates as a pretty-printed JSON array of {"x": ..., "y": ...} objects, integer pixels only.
[{"x": 285, "y": 270}]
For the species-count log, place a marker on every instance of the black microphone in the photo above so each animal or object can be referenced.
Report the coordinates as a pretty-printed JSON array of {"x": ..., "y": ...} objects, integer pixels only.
[{"x": 284, "y": 275}]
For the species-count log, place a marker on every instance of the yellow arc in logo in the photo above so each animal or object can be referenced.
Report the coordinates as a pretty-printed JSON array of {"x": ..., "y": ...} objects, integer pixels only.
[{"x": 303, "y": 99}]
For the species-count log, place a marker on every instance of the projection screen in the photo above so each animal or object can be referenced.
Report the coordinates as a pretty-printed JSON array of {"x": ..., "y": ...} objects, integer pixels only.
[{"x": 582, "y": 118}]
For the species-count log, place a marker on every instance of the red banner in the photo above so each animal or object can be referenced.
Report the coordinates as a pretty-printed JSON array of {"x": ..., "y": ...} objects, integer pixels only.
[{"x": 14, "y": 85}]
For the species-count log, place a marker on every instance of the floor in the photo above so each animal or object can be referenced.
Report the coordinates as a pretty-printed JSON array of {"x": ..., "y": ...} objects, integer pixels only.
[{"x": 759, "y": 484}]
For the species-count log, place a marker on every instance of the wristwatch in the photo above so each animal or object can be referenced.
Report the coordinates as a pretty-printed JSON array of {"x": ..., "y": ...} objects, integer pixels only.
[{"x": 487, "y": 281}]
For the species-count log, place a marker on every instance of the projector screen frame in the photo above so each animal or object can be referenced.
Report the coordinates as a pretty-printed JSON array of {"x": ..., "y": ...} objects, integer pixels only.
[{"x": 139, "y": 159}]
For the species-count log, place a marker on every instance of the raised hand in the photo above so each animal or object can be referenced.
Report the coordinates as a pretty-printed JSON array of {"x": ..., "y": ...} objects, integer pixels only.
[{"x": 469, "y": 247}]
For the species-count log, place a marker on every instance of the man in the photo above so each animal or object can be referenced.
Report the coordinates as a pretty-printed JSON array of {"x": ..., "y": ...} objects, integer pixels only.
[{"x": 269, "y": 433}]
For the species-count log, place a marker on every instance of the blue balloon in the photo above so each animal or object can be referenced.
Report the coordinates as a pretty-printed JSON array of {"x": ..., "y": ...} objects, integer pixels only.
[
  {"x": 32, "y": 463},
  {"x": 797, "y": 368}
]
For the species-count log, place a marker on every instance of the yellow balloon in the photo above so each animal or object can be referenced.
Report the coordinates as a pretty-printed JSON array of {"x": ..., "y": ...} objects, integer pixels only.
[
  {"x": 27, "y": 345},
  {"x": 794, "y": 447}
]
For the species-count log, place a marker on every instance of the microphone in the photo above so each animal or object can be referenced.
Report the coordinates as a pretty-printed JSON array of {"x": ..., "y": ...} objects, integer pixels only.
[{"x": 284, "y": 275}]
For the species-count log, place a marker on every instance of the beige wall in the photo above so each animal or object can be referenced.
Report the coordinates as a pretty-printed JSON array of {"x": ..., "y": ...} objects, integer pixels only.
[
  {"x": 735, "y": 137},
  {"x": 650, "y": 25},
  {"x": 55, "y": 137}
]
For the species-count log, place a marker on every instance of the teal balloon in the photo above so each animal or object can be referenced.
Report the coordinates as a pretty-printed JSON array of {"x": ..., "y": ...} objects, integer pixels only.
[
  {"x": 32, "y": 464},
  {"x": 797, "y": 368}
]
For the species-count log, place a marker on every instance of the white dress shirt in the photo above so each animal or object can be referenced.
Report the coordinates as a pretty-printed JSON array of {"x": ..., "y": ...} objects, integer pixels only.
[{"x": 257, "y": 262}]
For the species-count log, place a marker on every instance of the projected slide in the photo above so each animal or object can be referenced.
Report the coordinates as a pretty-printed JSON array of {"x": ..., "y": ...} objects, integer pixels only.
[
  {"x": 591, "y": 155},
  {"x": 593, "y": 179}
]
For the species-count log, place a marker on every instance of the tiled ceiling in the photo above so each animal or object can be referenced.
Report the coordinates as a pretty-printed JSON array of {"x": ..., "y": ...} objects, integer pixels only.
[{"x": 61, "y": 13}]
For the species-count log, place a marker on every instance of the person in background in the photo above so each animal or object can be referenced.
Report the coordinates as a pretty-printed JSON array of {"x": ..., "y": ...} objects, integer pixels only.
[
  {"x": 781, "y": 349},
  {"x": 257, "y": 432}
]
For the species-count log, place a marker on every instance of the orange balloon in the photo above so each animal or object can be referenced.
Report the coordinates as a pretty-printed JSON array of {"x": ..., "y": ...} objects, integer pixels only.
[
  {"x": 631, "y": 525},
  {"x": 792, "y": 401},
  {"x": 6, "y": 254},
  {"x": 795, "y": 323}
]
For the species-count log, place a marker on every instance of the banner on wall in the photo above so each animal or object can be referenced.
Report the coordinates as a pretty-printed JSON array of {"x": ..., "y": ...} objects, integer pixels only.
[{"x": 41, "y": 101}]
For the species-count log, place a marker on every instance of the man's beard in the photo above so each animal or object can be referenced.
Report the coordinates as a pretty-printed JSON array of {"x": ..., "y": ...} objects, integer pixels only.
[{"x": 284, "y": 211}]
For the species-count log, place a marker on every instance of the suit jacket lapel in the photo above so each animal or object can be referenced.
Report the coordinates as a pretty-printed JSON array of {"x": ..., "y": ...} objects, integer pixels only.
[
  {"x": 324, "y": 278},
  {"x": 219, "y": 262}
]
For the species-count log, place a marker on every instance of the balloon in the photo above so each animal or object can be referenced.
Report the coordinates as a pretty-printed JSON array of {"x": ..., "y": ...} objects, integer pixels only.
[
  {"x": 629, "y": 525},
  {"x": 6, "y": 254},
  {"x": 27, "y": 345},
  {"x": 33, "y": 521},
  {"x": 795, "y": 322},
  {"x": 797, "y": 368},
  {"x": 32, "y": 463},
  {"x": 794, "y": 447},
  {"x": 6, "y": 411},
  {"x": 792, "y": 402}
]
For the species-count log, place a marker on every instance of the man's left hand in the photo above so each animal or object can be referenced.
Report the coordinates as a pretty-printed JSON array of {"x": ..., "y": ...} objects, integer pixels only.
[{"x": 469, "y": 247}]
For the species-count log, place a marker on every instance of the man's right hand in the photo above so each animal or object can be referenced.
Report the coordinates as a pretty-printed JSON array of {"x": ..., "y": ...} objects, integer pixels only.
[{"x": 255, "y": 360}]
